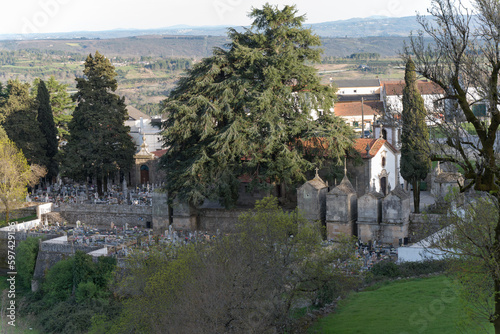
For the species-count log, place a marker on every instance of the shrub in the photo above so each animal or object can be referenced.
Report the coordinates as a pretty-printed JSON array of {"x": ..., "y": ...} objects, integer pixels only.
[
  {"x": 387, "y": 269},
  {"x": 26, "y": 254}
]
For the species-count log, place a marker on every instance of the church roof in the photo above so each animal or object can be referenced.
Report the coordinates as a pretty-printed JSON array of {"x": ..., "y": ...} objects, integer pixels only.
[
  {"x": 373, "y": 144},
  {"x": 345, "y": 187}
]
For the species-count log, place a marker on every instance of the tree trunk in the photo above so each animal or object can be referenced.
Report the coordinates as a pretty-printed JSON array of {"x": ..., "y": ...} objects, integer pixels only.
[
  {"x": 105, "y": 185},
  {"x": 496, "y": 278},
  {"x": 7, "y": 216},
  {"x": 416, "y": 196},
  {"x": 99, "y": 186}
]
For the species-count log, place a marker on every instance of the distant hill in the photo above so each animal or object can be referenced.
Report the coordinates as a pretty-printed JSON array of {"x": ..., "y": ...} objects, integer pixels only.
[
  {"x": 365, "y": 27},
  {"x": 193, "y": 46},
  {"x": 355, "y": 27}
]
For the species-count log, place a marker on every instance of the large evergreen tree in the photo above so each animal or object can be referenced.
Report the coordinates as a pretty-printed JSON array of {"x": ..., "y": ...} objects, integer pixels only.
[
  {"x": 248, "y": 110},
  {"x": 48, "y": 128},
  {"x": 20, "y": 113},
  {"x": 415, "y": 158},
  {"x": 99, "y": 144},
  {"x": 61, "y": 103}
]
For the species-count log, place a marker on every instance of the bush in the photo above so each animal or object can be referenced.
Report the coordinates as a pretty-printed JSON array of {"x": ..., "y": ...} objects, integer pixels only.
[
  {"x": 26, "y": 253},
  {"x": 409, "y": 269},
  {"x": 387, "y": 269}
]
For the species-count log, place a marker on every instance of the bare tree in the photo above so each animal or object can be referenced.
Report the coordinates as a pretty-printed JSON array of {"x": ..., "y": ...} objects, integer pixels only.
[{"x": 464, "y": 59}]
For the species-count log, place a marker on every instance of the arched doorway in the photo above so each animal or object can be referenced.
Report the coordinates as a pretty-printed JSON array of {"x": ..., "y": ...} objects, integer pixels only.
[
  {"x": 144, "y": 174},
  {"x": 383, "y": 185}
]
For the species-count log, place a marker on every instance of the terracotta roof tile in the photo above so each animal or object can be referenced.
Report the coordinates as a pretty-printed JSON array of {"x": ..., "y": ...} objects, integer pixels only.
[
  {"x": 159, "y": 153},
  {"x": 345, "y": 109},
  {"x": 425, "y": 88},
  {"x": 374, "y": 144}
]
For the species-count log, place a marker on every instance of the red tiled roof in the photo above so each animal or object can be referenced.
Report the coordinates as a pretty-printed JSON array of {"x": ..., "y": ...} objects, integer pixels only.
[
  {"x": 374, "y": 144},
  {"x": 425, "y": 88},
  {"x": 159, "y": 153},
  {"x": 345, "y": 109}
]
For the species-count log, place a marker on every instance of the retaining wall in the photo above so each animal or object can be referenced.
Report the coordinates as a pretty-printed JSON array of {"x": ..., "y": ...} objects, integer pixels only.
[{"x": 103, "y": 215}]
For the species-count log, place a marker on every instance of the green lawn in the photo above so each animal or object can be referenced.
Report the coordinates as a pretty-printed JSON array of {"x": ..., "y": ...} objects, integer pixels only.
[
  {"x": 400, "y": 307},
  {"x": 19, "y": 220}
]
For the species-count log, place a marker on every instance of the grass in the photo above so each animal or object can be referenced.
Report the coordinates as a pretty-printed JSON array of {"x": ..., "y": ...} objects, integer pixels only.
[
  {"x": 19, "y": 220},
  {"x": 407, "y": 306}
]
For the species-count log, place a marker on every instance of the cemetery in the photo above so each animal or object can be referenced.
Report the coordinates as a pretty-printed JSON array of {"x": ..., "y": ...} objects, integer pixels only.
[{"x": 70, "y": 217}]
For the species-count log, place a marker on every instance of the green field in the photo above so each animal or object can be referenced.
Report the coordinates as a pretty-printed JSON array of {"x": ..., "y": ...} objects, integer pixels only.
[{"x": 401, "y": 307}]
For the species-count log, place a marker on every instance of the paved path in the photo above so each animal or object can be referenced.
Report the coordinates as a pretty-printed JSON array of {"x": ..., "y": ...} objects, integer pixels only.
[{"x": 426, "y": 199}]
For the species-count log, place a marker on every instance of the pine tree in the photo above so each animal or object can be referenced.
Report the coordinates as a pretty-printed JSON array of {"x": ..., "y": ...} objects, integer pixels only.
[
  {"x": 48, "y": 128},
  {"x": 20, "y": 112},
  {"x": 99, "y": 144},
  {"x": 248, "y": 110},
  {"x": 415, "y": 159}
]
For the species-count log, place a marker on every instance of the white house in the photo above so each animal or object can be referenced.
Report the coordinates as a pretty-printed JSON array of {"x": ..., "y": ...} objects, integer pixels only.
[
  {"x": 392, "y": 93},
  {"x": 354, "y": 112},
  {"x": 358, "y": 87},
  {"x": 142, "y": 125}
]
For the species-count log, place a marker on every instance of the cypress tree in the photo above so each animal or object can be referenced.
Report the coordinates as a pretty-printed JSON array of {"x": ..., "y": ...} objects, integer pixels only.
[
  {"x": 415, "y": 159},
  {"x": 99, "y": 144},
  {"x": 21, "y": 125},
  {"x": 248, "y": 109},
  {"x": 48, "y": 128}
]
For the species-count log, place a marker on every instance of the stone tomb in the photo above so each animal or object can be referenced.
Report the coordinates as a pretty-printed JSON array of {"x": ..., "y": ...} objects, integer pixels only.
[
  {"x": 341, "y": 210},
  {"x": 395, "y": 216},
  {"x": 311, "y": 199},
  {"x": 370, "y": 216}
]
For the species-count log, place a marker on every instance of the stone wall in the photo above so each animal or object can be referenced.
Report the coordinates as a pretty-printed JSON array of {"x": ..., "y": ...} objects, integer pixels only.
[
  {"x": 423, "y": 225},
  {"x": 219, "y": 219},
  {"x": 19, "y": 213},
  {"x": 19, "y": 236},
  {"x": 52, "y": 252},
  {"x": 103, "y": 215}
]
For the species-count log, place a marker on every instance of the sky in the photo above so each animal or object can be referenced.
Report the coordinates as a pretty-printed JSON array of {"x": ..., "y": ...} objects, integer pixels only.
[{"x": 45, "y": 16}]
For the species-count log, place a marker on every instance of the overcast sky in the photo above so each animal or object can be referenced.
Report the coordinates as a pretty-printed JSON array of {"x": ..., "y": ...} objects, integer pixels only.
[{"x": 28, "y": 16}]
